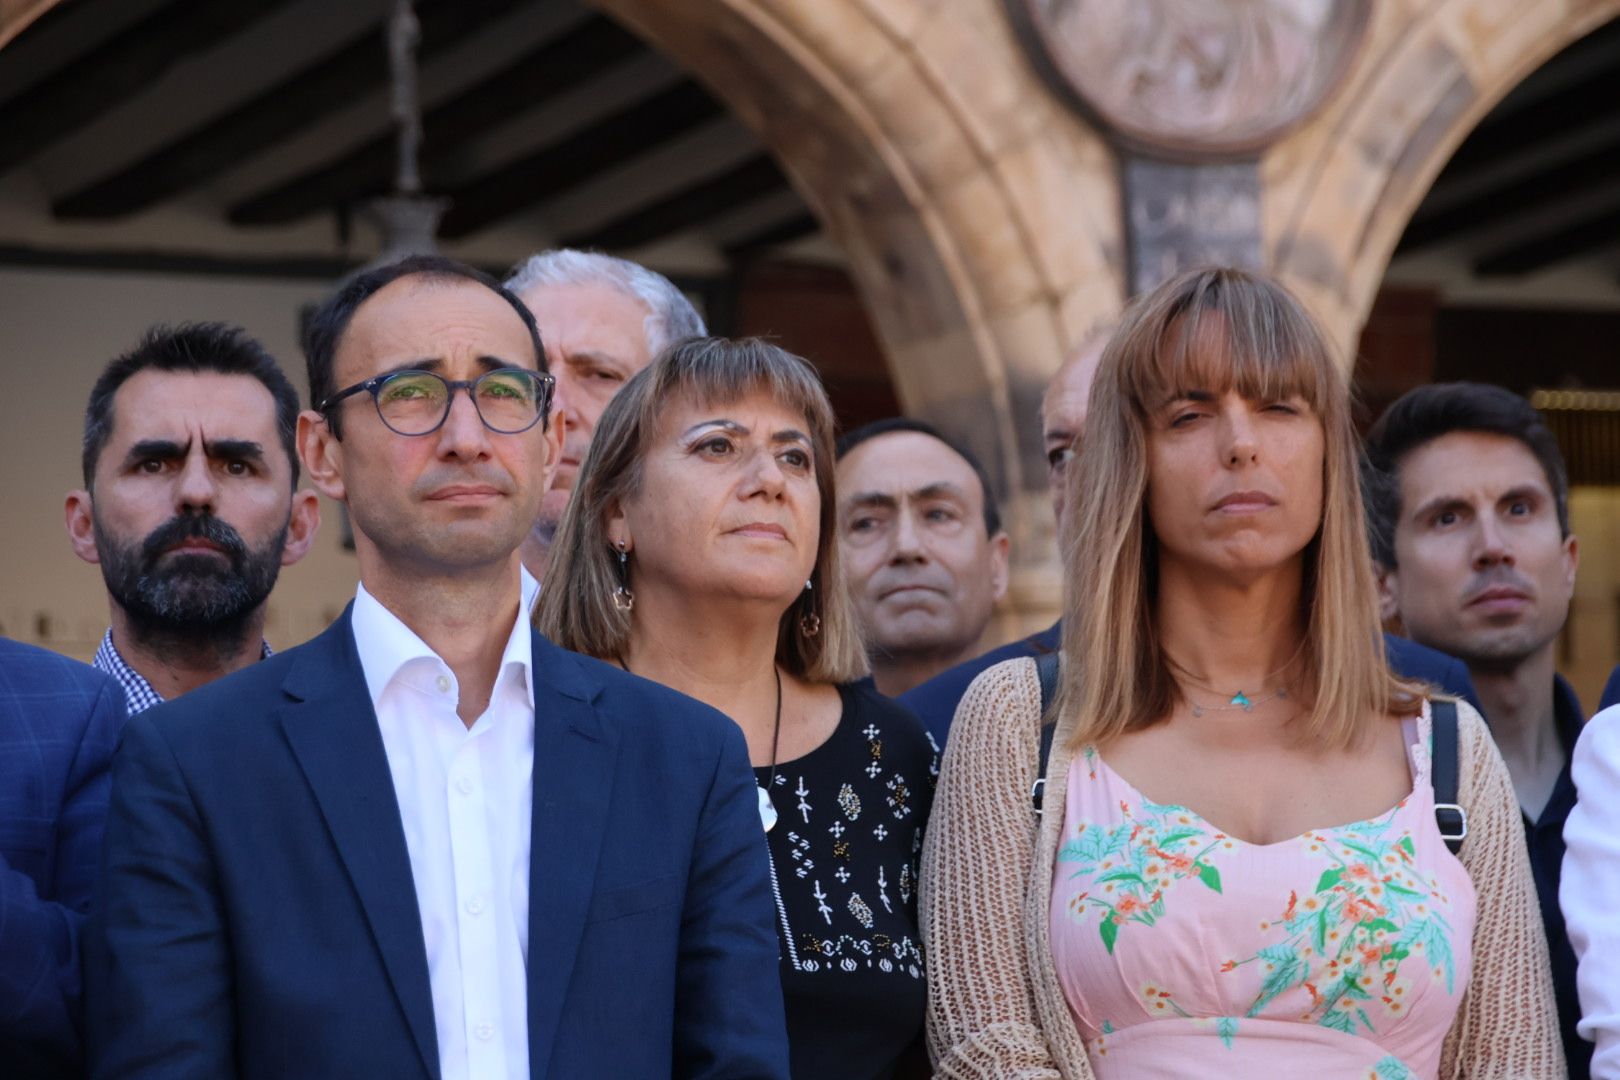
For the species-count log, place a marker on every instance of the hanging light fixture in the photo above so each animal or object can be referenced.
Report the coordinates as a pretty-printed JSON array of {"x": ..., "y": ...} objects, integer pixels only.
[{"x": 406, "y": 219}]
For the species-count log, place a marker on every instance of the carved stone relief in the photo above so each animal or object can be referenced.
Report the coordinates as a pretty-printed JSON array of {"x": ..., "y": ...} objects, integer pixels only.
[{"x": 1194, "y": 78}]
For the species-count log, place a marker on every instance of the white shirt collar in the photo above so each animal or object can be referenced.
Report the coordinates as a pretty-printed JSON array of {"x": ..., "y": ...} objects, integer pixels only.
[{"x": 388, "y": 647}]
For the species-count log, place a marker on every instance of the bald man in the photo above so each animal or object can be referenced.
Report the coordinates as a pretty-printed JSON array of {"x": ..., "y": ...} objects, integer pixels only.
[{"x": 1063, "y": 414}]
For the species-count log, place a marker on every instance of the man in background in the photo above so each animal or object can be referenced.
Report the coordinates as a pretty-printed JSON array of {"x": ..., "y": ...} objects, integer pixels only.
[
  {"x": 923, "y": 548},
  {"x": 190, "y": 505},
  {"x": 1479, "y": 562},
  {"x": 1063, "y": 415},
  {"x": 602, "y": 320}
]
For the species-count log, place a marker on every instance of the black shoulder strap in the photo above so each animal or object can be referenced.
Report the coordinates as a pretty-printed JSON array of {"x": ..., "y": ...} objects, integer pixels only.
[
  {"x": 1448, "y": 815},
  {"x": 1046, "y": 669}
]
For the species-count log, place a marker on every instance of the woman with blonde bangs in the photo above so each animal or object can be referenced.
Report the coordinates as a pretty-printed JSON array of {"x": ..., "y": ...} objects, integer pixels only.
[
  {"x": 698, "y": 550},
  {"x": 1238, "y": 870}
]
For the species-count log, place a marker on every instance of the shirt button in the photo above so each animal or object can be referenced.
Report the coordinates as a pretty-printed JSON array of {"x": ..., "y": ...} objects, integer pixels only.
[
  {"x": 475, "y": 906},
  {"x": 444, "y": 684},
  {"x": 464, "y": 785},
  {"x": 485, "y": 1032}
]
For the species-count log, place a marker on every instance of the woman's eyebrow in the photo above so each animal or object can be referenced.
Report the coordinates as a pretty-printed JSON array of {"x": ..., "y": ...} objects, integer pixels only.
[{"x": 729, "y": 425}]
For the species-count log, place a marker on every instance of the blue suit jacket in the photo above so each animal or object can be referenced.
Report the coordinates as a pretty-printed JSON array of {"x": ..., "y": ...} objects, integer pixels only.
[
  {"x": 59, "y": 722},
  {"x": 1611, "y": 691},
  {"x": 935, "y": 701},
  {"x": 259, "y": 918}
]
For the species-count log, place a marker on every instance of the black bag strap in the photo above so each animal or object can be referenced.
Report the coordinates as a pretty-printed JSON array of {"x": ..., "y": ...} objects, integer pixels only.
[
  {"x": 1448, "y": 815},
  {"x": 1046, "y": 670}
]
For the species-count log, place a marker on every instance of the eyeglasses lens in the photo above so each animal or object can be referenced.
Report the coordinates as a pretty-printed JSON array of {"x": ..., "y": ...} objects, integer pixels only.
[
  {"x": 415, "y": 402},
  {"x": 509, "y": 401}
]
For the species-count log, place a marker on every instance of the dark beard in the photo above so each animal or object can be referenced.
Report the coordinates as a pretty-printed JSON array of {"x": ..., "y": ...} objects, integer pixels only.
[{"x": 189, "y": 603}]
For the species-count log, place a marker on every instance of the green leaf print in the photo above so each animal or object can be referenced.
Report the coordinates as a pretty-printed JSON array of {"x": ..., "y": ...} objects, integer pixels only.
[
  {"x": 1329, "y": 879},
  {"x": 1405, "y": 844},
  {"x": 1122, "y": 875},
  {"x": 1339, "y": 1020},
  {"x": 1432, "y": 934},
  {"x": 1284, "y": 971},
  {"x": 1170, "y": 840},
  {"x": 1226, "y": 1027},
  {"x": 1392, "y": 1068},
  {"x": 1109, "y": 931},
  {"x": 1100, "y": 842},
  {"x": 1209, "y": 876}
]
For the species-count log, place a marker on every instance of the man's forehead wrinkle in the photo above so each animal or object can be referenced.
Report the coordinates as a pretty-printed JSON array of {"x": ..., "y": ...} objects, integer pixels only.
[{"x": 396, "y": 323}]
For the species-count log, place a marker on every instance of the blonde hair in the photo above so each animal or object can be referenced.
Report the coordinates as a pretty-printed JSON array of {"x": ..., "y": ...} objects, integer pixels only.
[
  {"x": 576, "y": 608},
  {"x": 1215, "y": 330}
]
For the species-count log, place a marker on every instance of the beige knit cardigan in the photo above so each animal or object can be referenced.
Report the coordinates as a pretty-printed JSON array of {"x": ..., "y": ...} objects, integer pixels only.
[{"x": 995, "y": 1008}]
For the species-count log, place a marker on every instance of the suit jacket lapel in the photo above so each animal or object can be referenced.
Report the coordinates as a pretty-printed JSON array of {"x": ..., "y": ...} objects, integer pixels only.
[
  {"x": 332, "y": 728},
  {"x": 575, "y": 753}
]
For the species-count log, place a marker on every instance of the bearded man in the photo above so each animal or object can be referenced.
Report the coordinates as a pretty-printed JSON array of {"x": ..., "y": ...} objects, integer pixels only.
[{"x": 189, "y": 506}]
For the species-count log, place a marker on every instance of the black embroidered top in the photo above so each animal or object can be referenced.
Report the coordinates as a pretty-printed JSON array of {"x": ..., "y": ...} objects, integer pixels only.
[{"x": 844, "y": 856}]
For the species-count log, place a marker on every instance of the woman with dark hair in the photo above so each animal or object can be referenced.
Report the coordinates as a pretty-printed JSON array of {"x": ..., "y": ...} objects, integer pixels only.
[
  {"x": 699, "y": 551},
  {"x": 1238, "y": 869}
]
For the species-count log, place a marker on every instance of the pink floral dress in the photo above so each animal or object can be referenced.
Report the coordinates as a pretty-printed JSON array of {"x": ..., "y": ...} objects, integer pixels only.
[{"x": 1184, "y": 952}]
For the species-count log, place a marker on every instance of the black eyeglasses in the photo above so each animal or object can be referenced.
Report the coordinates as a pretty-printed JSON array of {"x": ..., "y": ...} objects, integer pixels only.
[{"x": 508, "y": 400}]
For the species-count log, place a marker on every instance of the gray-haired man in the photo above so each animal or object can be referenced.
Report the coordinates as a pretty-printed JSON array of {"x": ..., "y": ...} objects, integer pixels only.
[{"x": 602, "y": 320}]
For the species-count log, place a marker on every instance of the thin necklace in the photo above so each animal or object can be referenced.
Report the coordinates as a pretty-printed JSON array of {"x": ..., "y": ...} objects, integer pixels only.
[
  {"x": 1240, "y": 699},
  {"x": 767, "y": 809}
]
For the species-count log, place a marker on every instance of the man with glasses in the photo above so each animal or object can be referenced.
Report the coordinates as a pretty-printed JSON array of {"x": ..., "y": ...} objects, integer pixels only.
[
  {"x": 429, "y": 843},
  {"x": 189, "y": 506}
]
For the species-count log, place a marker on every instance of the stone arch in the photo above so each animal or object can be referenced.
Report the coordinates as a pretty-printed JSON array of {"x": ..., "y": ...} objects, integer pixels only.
[
  {"x": 1338, "y": 193},
  {"x": 980, "y": 217}
]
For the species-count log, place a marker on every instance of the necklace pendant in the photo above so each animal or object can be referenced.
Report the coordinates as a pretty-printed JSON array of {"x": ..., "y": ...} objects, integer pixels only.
[
  {"x": 1241, "y": 701},
  {"x": 767, "y": 809},
  {"x": 1197, "y": 709}
]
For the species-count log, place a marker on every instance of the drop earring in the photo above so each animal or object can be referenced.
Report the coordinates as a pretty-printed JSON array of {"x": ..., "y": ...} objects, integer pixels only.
[
  {"x": 623, "y": 599},
  {"x": 810, "y": 622}
]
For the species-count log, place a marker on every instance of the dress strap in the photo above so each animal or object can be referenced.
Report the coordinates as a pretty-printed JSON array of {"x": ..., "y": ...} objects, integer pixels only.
[{"x": 1415, "y": 731}]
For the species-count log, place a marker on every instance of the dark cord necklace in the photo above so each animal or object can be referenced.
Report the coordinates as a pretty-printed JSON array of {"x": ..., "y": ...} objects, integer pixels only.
[{"x": 767, "y": 809}]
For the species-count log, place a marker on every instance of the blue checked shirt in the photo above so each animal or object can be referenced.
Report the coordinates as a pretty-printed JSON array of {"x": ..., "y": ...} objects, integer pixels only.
[{"x": 137, "y": 690}]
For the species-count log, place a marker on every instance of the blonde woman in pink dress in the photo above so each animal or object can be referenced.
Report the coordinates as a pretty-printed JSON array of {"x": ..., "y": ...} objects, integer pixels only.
[{"x": 1238, "y": 871}]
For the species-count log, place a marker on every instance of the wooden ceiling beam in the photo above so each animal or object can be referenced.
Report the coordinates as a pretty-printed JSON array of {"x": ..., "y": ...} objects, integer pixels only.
[
  {"x": 572, "y": 161},
  {"x": 557, "y": 66},
  {"x": 783, "y": 232},
  {"x": 86, "y": 86},
  {"x": 756, "y": 177},
  {"x": 1504, "y": 135},
  {"x": 1542, "y": 188},
  {"x": 1592, "y": 232},
  {"x": 351, "y": 70}
]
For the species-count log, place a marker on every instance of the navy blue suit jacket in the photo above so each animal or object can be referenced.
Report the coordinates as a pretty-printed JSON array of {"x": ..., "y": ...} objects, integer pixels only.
[
  {"x": 935, "y": 701},
  {"x": 1611, "y": 691},
  {"x": 59, "y": 722},
  {"x": 258, "y": 916}
]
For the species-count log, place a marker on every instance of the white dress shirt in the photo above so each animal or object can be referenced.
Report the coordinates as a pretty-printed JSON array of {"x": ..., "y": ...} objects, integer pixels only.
[
  {"x": 464, "y": 798},
  {"x": 1589, "y": 890}
]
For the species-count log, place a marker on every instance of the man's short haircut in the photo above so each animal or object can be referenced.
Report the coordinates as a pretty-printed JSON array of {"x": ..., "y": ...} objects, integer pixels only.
[
  {"x": 195, "y": 347},
  {"x": 670, "y": 315},
  {"x": 851, "y": 439},
  {"x": 1427, "y": 413},
  {"x": 326, "y": 327}
]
